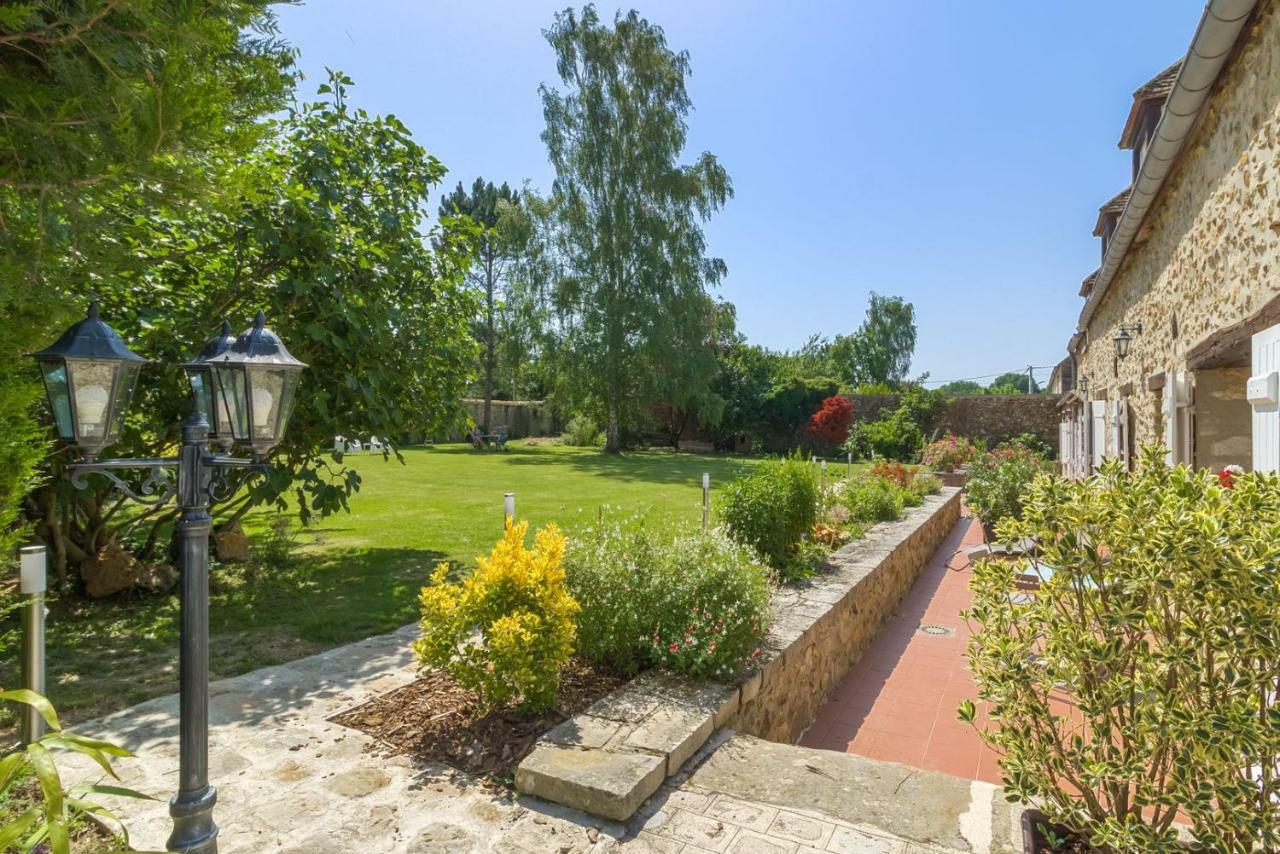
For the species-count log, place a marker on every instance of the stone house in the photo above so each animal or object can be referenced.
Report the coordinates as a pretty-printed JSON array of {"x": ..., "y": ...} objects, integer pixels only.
[{"x": 1178, "y": 341}]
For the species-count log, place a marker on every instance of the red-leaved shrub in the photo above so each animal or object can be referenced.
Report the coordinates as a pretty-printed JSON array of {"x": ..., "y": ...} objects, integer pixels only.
[{"x": 831, "y": 422}]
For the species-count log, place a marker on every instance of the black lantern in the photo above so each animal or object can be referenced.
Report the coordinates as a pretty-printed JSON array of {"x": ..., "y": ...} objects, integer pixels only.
[
  {"x": 204, "y": 385},
  {"x": 89, "y": 376},
  {"x": 1124, "y": 337},
  {"x": 257, "y": 379}
]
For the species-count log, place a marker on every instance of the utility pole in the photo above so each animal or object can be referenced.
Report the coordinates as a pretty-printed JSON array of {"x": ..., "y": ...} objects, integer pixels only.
[{"x": 1031, "y": 380}]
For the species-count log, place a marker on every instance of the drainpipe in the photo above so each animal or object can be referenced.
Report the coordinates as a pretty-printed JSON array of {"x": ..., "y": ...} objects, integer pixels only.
[{"x": 1211, "y": 46}]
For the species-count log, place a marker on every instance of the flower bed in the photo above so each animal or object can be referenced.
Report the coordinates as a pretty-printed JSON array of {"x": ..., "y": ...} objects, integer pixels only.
[{"x": 436, "y": 719}]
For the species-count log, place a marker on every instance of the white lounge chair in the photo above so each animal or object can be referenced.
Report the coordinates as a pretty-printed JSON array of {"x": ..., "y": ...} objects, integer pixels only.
[{"x": 376, "y": 446}]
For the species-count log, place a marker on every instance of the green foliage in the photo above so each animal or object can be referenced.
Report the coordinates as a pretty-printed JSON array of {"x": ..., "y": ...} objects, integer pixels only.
[
  {"x": 949, "y": 453},
  {"x": 773, "y": 509},
  {"x": 788, "y": 405},
  {"x": 507, "y": 629},
  {"x": 1140, "y": 677},
  {"x": 505, "y": 229},
  {"x": 698, "y": 604},
  {"x": 623, "y": 232},
  {"x": 103, "y": 98},
  {"x": 959, "y": 387},
  {"x": 743, "y": 380},
  {"x": 582, "y": 431},
  {"x": 899, "y": 435},
  {"x": 924, "y": 484},
  {"x": 47, "y": 826},
  {"x": 1014, "y": 382},
  {"x": 324, "y": 228},
  {"x": 998, "y": 482},
  {"x": 871, "y": 499},
  {"x": 880, "y": 351}
]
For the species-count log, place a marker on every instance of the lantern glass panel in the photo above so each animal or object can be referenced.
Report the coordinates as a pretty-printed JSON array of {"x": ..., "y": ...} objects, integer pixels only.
[
  {"x": 126, "y": 379},
  {"x": 91, "y": 385},
  {"x": 272, "y": 390},
  {"x": 55, "y": 383},
  {"x": 202, "y": 389},
  {"x": 231, "y": 386}
]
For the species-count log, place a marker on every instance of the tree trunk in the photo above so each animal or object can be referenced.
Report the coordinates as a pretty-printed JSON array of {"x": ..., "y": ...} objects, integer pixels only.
[
  {"x": 491, "y": 343},
  {"x": 613, "y": 431}
]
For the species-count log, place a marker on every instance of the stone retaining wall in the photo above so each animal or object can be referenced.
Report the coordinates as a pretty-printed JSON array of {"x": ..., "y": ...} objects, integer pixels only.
[
  {"x": 822, "y": 629},
  {"x": 610, "y": 758}
]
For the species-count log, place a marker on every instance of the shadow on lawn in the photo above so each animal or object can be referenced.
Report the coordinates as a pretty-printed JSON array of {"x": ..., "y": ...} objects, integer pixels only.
[{"x": 107, "y": 654}]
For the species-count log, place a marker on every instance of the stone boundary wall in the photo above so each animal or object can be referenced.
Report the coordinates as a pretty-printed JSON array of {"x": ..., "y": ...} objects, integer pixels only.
[
  {"x": 990, "y": 417},
  {"x": 822, "y": 629},
  {"x": 610, "y": 758},
  {"x": 997, "y": 417},
  {"x": 521, "y": 417}
]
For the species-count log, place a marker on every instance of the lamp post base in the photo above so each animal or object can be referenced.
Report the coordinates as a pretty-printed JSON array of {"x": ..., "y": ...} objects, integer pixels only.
[{"x": 193, "y": 829}]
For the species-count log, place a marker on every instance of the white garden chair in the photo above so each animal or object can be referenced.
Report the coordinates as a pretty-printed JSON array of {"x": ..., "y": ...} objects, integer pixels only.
[
  {"x": 376, "y": 445},
  {"x": 355, "y": 447}
]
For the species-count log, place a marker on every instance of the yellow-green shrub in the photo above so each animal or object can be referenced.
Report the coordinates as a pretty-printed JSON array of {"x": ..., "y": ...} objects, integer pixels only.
[{"x": 506, "y": 630}]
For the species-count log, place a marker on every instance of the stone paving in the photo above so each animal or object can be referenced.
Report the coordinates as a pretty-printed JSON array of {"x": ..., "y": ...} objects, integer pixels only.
[
  {"x": 898, "y": 702},
  {"x": 289, "y": 780}
]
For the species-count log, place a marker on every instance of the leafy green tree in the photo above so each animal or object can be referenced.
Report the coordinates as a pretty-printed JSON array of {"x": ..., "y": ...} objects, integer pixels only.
[
  {"x": 324, "y": 228},
  {"x": 959, "y": 387},
  {"x": 629, "y": 250},
  {"x": 744, "y": 378},
  {"x": 505, "y": 229},
  {"x": 96, "y": 96},
  {"x": 880, "y": 351},
  {"x": 1014, "y": 382}
]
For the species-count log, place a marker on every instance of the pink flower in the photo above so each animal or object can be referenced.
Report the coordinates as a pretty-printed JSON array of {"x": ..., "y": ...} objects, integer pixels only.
[{"x": 674, "y": 647}]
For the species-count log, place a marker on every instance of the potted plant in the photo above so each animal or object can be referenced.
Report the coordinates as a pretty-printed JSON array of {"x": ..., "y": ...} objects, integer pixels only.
[
  {"x": 998, "y": 480},
  {"x": 1137, "y": 685},
  {"x": 947, "y": 458}
]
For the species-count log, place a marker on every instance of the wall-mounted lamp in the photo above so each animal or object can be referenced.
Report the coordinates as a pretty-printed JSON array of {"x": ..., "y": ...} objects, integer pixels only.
[
  {"x": 1084, "y": 383},
  {"x": 1124, "y": 337}
]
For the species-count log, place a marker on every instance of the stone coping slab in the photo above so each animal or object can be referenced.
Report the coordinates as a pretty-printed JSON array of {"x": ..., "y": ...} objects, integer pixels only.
[{"x": 617, "y": 753}]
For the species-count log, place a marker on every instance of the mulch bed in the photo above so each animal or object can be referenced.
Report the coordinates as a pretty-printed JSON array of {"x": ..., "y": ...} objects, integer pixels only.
[{"x": 436, "y": 719}]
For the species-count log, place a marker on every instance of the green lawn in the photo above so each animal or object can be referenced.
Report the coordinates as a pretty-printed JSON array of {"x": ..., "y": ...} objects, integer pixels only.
[{"x": 357, "y": 575}]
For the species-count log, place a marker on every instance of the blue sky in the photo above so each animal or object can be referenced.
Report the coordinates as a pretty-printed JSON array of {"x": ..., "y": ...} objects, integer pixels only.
[{"x": 951, "y": 153}]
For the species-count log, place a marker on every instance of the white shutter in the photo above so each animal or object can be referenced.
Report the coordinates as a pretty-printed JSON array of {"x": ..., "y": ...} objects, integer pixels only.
[
  {"x": 1177, "y": 417},
  {"x": 1064, "y": 446},
  {"x": 1098, "y": 434},
  {"x": 1262, "y": 394},
  {"x": 1115, "y": 441},
  {"x": 1169, "y": 409},
  {"x": 1122, "y": 432}
]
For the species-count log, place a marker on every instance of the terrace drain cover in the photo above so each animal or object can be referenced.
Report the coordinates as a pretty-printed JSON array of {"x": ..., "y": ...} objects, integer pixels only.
[{"x": 930, "y": 629}]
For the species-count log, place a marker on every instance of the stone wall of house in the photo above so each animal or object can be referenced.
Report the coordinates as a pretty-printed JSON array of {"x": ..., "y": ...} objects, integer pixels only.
[
  {"x": 821, "y": 630},
  {"x": 1224, "y": 419},
  {"x": 1208, "y": 255}
]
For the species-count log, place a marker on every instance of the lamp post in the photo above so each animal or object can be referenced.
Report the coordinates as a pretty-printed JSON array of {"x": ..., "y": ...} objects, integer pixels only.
[{"x": 244, "y": 387}]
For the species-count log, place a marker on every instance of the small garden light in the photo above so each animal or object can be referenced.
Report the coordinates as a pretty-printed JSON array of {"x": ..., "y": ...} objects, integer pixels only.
[{"x": 89, "y": 375}]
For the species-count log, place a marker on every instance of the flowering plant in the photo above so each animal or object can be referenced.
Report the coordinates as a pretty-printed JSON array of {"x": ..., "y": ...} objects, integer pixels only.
[
  {"x": 697, "y": 604},
  {"x": 1227, "y": 477},
  {"x": 949, "y": 453},
  {"x": 507, "y": 629}
]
